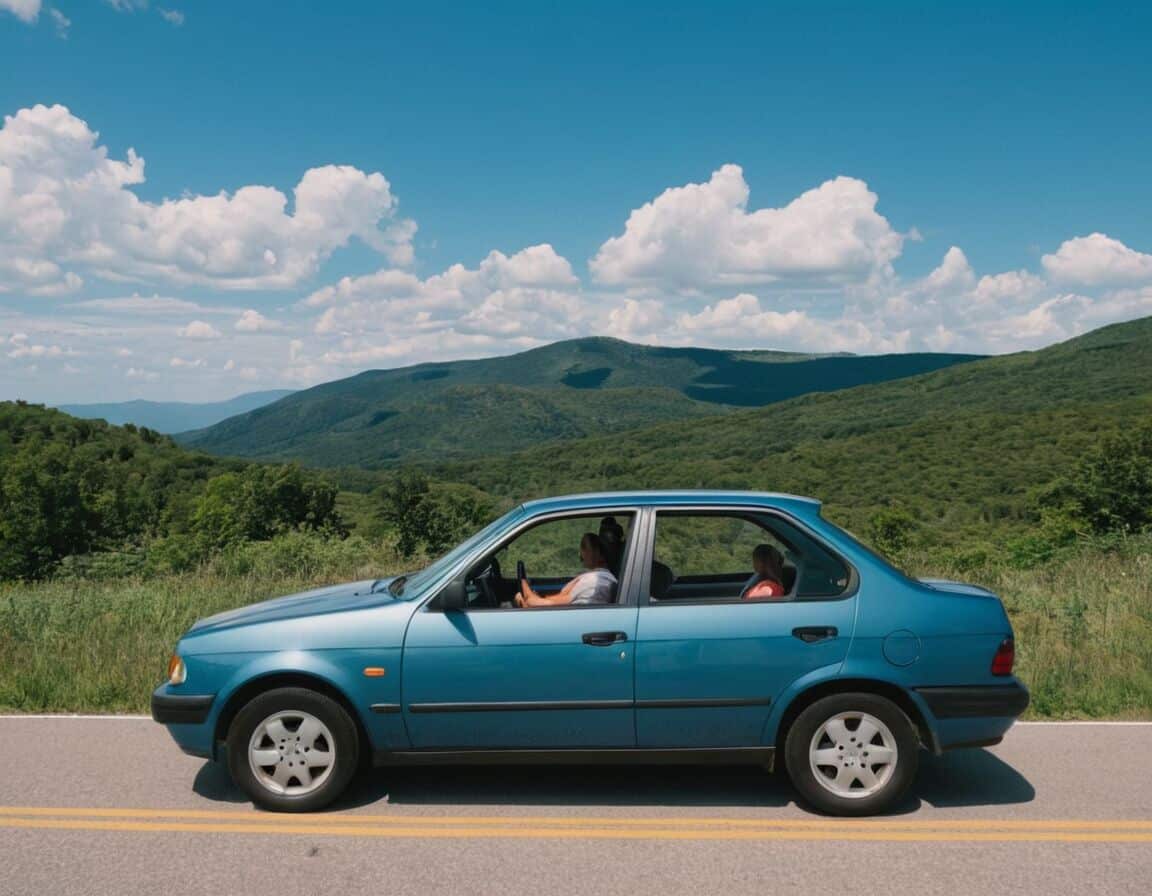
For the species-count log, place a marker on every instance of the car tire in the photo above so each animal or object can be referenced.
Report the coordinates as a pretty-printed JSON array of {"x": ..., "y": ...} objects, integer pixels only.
[
  {"x": 293, "y": 750},
  {"x": 852, "y": 754}
]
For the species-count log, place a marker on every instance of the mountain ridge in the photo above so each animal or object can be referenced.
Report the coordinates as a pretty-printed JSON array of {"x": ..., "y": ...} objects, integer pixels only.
[
  {"x": 380, "y": 417},
  {"x": 173, "y": 416}
]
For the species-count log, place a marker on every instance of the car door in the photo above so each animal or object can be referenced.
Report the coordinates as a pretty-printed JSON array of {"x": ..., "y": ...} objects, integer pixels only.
[
  {"x": 709, "y": 665},
  {"x": 495, "y": 678}
]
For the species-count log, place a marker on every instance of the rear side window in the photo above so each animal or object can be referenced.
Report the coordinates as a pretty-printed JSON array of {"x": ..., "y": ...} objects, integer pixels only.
[{"x": 708, "y": 557}]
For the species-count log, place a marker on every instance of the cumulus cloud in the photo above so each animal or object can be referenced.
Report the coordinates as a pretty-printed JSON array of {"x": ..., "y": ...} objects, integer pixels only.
[
  {"x": 702, "y": 235},
  {"x": 172, "y": 16},
  {"x": 199, "y": 329},
  {"x": 524, "y": 299},
  {"x": 252, "y": 321},
  {"x": 1098, "y": 260},
  {"x": 65, "y": 206},
  {"x": 25, "y": 10}
]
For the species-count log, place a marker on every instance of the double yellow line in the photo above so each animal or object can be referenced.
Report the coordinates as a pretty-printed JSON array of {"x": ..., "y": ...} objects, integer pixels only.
[{"x": 576, "y": 827}]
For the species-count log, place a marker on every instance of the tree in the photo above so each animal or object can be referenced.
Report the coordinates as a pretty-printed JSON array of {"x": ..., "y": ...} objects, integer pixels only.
[
  {"x": 427, "y": 516},
  {"x": 405, "y": 505},
  {"x": 892, "y": 530},
  {"x": 1110, "y": 489}
]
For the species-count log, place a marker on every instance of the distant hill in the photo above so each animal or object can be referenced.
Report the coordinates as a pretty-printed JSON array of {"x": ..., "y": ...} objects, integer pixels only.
[
  {"x": 173, "y": 416},
  {"x": 567, "y": 390},
  {"x": 962, "y": 448}
]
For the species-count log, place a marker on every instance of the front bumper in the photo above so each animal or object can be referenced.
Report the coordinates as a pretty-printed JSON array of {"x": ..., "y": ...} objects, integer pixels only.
[
  {"x": 180, "y": 709},
  {"x": 977, "y": 701}
]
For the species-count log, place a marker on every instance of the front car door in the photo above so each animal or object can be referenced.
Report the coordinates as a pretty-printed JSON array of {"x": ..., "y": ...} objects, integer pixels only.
[
  {"x": 495, "y": 677},
  {"x": 709, "y": 664}
]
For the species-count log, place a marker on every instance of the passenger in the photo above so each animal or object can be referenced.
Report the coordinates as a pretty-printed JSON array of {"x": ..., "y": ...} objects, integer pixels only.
[
  {"x": 767, "y": 582},
  {"x": 597, "y": 586},
  {"x": 612, "y": 540}
]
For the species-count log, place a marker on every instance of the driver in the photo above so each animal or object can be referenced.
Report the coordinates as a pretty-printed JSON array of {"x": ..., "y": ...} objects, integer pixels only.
[{"x": 593, "y": 587}]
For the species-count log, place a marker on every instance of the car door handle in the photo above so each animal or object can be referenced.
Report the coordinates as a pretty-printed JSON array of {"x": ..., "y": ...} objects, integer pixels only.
[
  {"x": 810, "y": 634},
  {"x": 603, "y": 639}
]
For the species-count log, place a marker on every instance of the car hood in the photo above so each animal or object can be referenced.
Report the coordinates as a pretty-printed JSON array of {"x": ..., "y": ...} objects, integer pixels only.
[
  {"x": 319, "y": 601},
  {"x": 957, "y": 587}
]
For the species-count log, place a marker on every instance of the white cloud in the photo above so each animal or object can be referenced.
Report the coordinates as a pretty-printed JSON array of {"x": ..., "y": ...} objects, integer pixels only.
[
  {"x": 154, "y": 304},
  {"x": 252, "y": 321},
  {"x": 25, "y": 10},
  {"x": 27, "y": 350},
  {"x": 702, "y": 235},
  {"x": 199, "y": 329},
  {"x": 1098, "y": 260},
  {"x": 526, "y": 298},
  {"x": 172, "y": 16},
  {"x": 65, "y": 205},
  {"x": 61, "y": 21}
]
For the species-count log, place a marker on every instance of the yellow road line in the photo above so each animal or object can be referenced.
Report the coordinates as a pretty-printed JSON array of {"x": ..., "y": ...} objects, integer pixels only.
[
  {"x": 884, "y": 824},
  {"x": 593, "y": 833}
]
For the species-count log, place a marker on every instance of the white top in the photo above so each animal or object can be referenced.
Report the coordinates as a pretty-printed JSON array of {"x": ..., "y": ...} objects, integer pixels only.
[{"x": 597, "y": 586}]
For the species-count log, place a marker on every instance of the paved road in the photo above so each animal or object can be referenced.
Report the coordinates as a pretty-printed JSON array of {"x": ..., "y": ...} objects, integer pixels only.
[{"x": 110, "y": 806}]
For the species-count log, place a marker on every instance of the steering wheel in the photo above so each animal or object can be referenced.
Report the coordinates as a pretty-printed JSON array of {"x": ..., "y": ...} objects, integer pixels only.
[
  {"x": 486, "y": 582},
  {"x": 521, "y": 574}
]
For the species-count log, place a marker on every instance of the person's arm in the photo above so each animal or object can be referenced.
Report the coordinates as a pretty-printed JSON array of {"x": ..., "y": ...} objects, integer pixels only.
[{"x": 529, "y": 598}]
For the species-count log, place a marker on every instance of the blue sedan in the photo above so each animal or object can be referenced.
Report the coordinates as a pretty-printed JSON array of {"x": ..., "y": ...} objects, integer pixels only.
[{"x": 687, "y": 626}]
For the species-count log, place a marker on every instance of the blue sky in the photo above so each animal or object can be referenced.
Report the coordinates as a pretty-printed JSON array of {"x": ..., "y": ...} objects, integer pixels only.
[{"x": 1020, "y": 137}]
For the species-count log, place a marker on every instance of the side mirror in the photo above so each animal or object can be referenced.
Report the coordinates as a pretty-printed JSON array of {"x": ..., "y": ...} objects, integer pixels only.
[{"x": 454, "y": 596}]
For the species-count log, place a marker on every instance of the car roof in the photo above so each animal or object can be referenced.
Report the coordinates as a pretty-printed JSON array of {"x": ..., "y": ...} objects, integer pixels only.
[{"x": 677, "y": 497}]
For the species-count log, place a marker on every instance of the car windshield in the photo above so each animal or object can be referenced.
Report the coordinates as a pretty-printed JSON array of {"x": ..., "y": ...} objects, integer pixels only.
[{"x": 414, "y": 583}]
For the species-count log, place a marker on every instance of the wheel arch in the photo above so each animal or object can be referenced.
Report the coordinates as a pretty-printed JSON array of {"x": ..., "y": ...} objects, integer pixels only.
[
  {"x": 907, "y": 702},
  {"x": 286, "y": 679}
]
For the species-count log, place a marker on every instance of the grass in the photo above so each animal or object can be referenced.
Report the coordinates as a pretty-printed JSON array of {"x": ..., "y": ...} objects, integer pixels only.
[{"x": 1083, "y": 623}]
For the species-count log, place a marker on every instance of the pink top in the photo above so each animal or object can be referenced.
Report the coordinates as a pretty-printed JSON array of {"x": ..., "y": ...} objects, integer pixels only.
[{"x": 765, "y": 590}]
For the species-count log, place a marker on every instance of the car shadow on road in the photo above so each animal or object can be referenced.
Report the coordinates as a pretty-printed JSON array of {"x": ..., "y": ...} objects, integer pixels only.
[
  {"x": 964, "y": 778},
  {"x": 970, "y": 778}
]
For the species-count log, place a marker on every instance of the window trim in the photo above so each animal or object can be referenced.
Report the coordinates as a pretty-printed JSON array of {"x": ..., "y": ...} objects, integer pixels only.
[
  {"x": 741, "y": 511},
  {"x": 627, "y": 592}
]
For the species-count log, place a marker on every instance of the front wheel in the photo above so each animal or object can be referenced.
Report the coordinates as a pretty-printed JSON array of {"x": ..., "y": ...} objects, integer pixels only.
[
  {"x": 292, "y": 750},
  {"x": 852, "y": 754}
]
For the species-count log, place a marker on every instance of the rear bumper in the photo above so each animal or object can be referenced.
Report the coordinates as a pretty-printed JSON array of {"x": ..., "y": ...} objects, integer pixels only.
[{"x": 976, "y": 702}]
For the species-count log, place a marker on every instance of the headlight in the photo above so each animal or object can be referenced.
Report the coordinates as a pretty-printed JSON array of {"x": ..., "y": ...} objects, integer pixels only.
[{"x": 176, "y": 671}]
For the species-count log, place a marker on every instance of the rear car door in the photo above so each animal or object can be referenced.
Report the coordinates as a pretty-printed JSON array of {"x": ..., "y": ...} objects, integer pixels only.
[{"x": 709, "y": 665}]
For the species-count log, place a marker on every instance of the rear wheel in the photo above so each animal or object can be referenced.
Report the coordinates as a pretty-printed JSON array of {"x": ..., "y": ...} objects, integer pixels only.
[
  {"x": 852, "y": 754},
  {"x": 292, "y": 750}
]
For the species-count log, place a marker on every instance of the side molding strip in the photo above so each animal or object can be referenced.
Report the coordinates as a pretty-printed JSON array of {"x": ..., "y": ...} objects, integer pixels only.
[
  {"x": 537, "y": 705},
  {"x": 610, "y": 756}
]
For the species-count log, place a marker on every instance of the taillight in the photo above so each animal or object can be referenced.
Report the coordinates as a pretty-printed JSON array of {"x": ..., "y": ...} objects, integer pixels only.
[{"x": 1005, "y": 657}]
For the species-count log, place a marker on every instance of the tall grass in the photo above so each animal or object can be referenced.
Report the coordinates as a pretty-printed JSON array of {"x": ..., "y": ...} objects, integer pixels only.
[
  {"x": 1083, "y": 622},
  {"x": 103, "y": 646}
]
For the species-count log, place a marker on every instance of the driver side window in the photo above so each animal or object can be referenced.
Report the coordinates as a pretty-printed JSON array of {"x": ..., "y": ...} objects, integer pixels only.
[{"x": 550, "y": 552}]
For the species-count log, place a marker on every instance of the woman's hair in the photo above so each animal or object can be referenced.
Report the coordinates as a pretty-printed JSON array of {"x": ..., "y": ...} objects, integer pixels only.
[
  {"x": 771, "y": 556},
  {"x": 595, "y": 542}
]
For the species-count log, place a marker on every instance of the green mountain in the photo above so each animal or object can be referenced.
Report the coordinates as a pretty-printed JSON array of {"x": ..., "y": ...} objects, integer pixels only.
[
  {"x": 962, "y": 448},
  {"x": 173, "y": 416},
  {"x": 564, "y": 391}
]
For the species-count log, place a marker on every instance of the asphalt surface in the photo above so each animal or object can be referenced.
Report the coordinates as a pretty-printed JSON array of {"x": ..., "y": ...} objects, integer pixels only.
[{"x": 110, "y": 806}]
